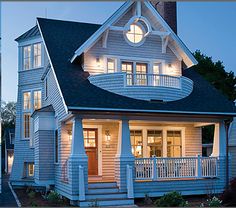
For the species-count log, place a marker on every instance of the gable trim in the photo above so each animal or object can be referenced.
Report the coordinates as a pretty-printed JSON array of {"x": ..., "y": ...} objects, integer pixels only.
[
  {"x": 53, "y": 71},
  {"x": 89, "y": 43}
]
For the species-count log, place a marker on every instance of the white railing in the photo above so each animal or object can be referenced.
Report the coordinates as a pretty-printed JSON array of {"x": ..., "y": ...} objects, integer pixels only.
[
  {"x": 153, "y": 80},
  {"x": 171, "y": 168},
  {"x": 65, "y": 171}
]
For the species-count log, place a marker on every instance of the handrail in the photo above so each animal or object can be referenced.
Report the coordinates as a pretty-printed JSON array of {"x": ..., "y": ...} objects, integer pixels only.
[{"x": 184, "y": 167}]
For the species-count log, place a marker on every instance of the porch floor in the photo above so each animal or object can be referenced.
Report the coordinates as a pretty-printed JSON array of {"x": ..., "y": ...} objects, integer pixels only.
[{"x": 100, "y": 179}]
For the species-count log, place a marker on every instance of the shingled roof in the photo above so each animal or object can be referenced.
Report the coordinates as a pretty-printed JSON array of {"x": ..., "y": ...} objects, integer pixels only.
[
  {"x": 62, "y": 38},
  {"x": 33, "y": 32}
]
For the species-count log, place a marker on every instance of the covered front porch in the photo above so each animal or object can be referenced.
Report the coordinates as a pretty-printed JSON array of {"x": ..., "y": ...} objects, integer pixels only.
[{"x": 140, "y": 150}]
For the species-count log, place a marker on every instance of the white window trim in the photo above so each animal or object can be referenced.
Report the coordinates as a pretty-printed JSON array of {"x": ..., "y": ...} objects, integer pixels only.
[
  {"x": 30, "y": 111},
  {"x": 164, "y": 130},
  {"x": 106, "y": 63},
  {"x": 21, "y": 56}
]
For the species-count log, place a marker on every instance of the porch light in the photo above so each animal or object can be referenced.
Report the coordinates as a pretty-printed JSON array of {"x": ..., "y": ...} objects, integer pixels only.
[
  {"x": 98, "y": 62},
  {"x": 108, "y": 136},
  {"x": 70, "y": 135}
]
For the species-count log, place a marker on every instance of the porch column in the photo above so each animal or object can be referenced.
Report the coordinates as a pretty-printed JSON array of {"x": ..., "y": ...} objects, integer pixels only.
[
  {"x": 124, "y": 155},
  {"x": 78, "y": 162},
  {"x": 219, "y": 143}
]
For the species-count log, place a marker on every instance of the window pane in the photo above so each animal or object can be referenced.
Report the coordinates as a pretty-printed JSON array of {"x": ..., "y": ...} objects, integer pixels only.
[
  {"x": 155, "y": 143},
  {"x": 37, "y": 100},
  {"x": 174, "y": 144},
  {"x": 137, "y": 143},
  {"x": 27, "y": 57},
  {"x": 26, "y": 97},
  {"x": 135, "y": 34},
  {"x": 110, "y": 65},
  {"x": 31, "y": 169},
  {"x": 37, "y": 55},
  {"x": 26, "y": 125}
]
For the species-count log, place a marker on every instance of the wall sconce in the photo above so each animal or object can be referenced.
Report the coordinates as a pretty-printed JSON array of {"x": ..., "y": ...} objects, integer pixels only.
[
  {"x": 70, "y": 135},
  {"x": 98, "y": 62},
  {"x": 108, "y": 136}
]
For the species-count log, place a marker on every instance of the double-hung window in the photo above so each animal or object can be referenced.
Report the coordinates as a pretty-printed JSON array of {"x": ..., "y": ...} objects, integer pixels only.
[
  {"x": 155, "y": 143},
  {"x": 174, "y": 144},
  {"x": 141, "y": 73},
  {"x": 136, "y": 137},
  {"x": 37, "y": 99},
  {"x": 32, "y": 56},
  {"x": 128, "y": 68},
  {"x": 111, "y": 65}
]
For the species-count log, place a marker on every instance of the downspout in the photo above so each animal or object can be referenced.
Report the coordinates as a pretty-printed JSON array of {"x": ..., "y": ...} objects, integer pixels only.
[{"x": 227, "y": 124}]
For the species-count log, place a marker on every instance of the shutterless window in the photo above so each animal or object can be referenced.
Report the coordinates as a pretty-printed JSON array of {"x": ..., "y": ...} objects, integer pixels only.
[
  {"x": 141, "y": 73},
  {"x": 27, "y": 57},
  {"x": 136, "y": 137},
  {"x": 31, "y": 169},
  {"x": 128, "y": 68},
  {"x": 37, "y": 60},
  {"x": 156, "y": 74},
  {"x": 27, "y": 99},
  {"x": 110, "y": 65},
  {"x": 155, "y": 143},
  {"x": 174, "y": 144},
  {"x": 56, "y": 146},
  {"x": 26, "y": 125},
  {"x": 135, "y": 34},
  {"x": 37, "y": 99}
]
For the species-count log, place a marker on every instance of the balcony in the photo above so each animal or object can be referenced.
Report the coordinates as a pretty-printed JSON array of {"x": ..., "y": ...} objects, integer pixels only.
[{"x": 145, "y": 86}]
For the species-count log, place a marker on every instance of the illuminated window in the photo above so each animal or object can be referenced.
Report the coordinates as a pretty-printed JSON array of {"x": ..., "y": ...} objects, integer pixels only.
[
  {"x": 128, "y": 68},
  {"x": 156, "y": 74},
  {"x": 90, "y": 138},
  {"x": 37, "y": 60},
  {"x": 26, "y": 125},
  {"x": 135, "y": 34},
  {"x": 31, "y": 169},
  {"x": 27, "y": 57},
  {"x": 110, "y": 65},
  {"x": 37, "y": 99},
  {"x": 155, "y": 143},
  {"x": 26, "y": 97},
  {"x": 136, "y": 138},
  {"x": 174, "y": 144},
  {"x": 141, "y": 74}
]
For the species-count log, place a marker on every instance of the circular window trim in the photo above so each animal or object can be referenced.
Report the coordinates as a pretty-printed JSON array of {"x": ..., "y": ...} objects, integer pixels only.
[{"x": 139, "y": 43}]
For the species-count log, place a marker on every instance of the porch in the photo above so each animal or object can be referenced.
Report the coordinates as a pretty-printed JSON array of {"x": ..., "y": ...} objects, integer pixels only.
[{"x": 137, "y": 156}]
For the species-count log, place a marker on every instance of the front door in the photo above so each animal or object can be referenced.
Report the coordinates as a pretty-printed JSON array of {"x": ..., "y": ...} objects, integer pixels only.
[{"x": 91, "y": 148}]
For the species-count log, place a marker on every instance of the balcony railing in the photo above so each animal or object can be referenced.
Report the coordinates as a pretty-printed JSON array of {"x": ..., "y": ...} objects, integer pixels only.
[
  {"x": 153, "y": 80},
  {"x": 173, "y": 168}
]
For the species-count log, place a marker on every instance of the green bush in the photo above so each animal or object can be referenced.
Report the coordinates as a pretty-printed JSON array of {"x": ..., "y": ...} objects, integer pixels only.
[
  {"x": 34, "y": 204},
  {"x": 31, "y": 194},
  {"x": 214, "y": 202},
  {"x": 172, "y": 199},
  {"x": 54, "y": 197}
]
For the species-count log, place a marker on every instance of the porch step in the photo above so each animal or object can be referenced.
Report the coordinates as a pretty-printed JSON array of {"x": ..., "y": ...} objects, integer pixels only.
[
  {"x": 106, "y": 190},
  {"x": 106, "y": 202},
  {"x": 106, "y": 196},
  {"x": 102, "y": 185}
]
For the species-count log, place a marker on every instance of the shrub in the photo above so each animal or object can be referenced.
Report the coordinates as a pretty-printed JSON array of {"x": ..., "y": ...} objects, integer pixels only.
[
  {"x": 214, "y": 202},
  {"x": 228, "y": 197},
  {"x": 34, "y": 204},
  {"x": 29, "y": 189},
  {"x": 172, "y": 199},
  {"x": 54, "y": 197},
  {"x": 31, "y": 194}
]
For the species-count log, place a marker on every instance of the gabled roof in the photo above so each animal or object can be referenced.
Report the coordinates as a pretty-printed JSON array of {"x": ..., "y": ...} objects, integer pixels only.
[
  {"x": 61, "y": 40},
  {"x": 33, "y": 32},
  {"x": 187, "y": 56}
]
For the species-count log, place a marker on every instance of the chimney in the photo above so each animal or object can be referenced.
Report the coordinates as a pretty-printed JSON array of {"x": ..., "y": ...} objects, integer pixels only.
[{"x": 168, "y": 11}]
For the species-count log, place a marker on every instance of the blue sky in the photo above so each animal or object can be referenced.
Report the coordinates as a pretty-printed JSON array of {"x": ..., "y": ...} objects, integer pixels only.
[{"x": 208, "y": 26}]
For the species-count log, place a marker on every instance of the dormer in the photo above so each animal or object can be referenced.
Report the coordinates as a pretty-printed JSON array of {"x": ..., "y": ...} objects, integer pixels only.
[{"x": 136, "y": 54}]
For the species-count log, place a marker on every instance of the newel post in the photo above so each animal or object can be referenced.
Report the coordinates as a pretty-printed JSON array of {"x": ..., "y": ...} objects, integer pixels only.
[
  {"x": 199, "y": 166},
  {"x": 154, "y": 168}
]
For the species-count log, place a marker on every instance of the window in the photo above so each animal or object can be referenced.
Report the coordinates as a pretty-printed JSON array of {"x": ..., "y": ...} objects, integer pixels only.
[
  {"x": 135, "y": 34},
  {"x": 110, "y": 65},
  {"x": 136, "y": 138},
  {"x": 128, "y": 68},
  {"x": 32, "y": 56},
  {"x": 12, "y": 138},
  {"x": 56, "y": 146},
  {"x": 31, "y": 169},
  {"x": 90, "y": 138},
  {"x": 37, "y": 55},
  {"x": 37, "y": 99},
  {"x": 155, "y": 143},
  {"x": 174, "y": 144},
  {"x": 156, "y": 75},
  {"x": 26, "y": 125},
  {"x": 27, "y": 57},
  {"x": 141, "y": 74},
  {"x": 26, "y": 97}
]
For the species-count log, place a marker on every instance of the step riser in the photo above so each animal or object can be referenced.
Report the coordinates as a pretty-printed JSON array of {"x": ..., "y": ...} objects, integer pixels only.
[
  {"x": 103, "y": 191},
  {"x": 102, "y": 185},
  {"x": 107, "y": 203},
  {"x": 106, "y": 196}
]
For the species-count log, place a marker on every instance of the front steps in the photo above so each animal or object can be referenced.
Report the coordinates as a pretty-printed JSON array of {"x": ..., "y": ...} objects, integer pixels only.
[{"x": 105, "y": 194}]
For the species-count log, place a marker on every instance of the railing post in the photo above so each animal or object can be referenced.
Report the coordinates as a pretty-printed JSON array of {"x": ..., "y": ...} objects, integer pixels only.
[
  {"x": 154, "y": 168},
  {"x": 81, "y": 184},
  {"x": 198, "y": 167},
  {"x": 130, "y": 185}
]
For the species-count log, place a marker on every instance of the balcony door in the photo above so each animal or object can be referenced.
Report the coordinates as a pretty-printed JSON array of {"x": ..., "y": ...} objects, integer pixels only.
[
  {"x": 128, "y": 68},
  {"x": 91, "y": 148},
  {"x": 141, "y": 73}
]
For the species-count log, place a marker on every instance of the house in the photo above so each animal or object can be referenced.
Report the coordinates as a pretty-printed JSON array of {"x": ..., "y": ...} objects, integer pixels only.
[
  {"x": 113, "y": 112},
  {"x": 9, "y": 135}
]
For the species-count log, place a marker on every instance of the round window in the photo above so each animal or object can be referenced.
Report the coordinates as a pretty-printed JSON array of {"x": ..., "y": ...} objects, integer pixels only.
[{"x": 136, "y": 34}]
